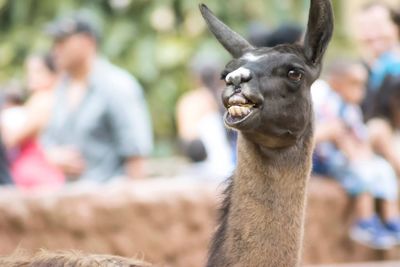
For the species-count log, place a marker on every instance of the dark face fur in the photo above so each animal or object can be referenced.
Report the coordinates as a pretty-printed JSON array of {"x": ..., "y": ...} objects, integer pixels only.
[
  {"x": 267, "y": 94},
  {"x": 274, "y": 86}
]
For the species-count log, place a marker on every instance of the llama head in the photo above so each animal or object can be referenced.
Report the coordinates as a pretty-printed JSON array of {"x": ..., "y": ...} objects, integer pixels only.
[{"x": 267, "y": 94}]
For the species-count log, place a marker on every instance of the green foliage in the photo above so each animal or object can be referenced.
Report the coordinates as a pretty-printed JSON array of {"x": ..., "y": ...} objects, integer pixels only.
[{"x": 154, "y": 40}]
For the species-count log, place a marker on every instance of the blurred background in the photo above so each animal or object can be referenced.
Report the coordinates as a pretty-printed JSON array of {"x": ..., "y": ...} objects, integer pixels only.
[
  {"x": 169, "y": 126},
  {"x": 154, "y": 40}
]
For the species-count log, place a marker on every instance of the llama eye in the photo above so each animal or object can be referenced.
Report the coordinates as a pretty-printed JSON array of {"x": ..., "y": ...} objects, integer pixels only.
[{"x": 295, "y": 75}]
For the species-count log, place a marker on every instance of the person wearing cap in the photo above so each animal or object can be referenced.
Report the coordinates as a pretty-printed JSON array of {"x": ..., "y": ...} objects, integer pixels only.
[{"x": 100, "y": 127}]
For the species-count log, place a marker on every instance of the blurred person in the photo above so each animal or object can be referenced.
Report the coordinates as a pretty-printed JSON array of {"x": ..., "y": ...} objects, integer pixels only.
[
  {"x": 21, "y": 125},
  {"x": 384, "y": 127},
  {"x": 378, "y": 37},
  {"x": 396, "y": 17},
  {"x": 391, "y": 109},
  {"x": 100, "y": 127},
  {"x": 41, "y": 78},
  {"x": 344, "y": 153},
  {"x": 257, "y": 33},
  {"x": 8, "y": 99},
  {"x": 288, "y": 33},
  {"x": 11, "y": 97},
  {"x": 200, "y": 125},
  {"x": 5, "y": 177}
]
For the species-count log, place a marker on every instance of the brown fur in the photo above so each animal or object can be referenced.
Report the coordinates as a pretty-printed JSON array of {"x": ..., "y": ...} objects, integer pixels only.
[
  {"x": 268, "y": 196},
  {"x": 67, "y": 259}
]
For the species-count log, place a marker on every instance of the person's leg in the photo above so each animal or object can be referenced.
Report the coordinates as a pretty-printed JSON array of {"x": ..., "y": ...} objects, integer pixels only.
[
  {"x": 390, "y": 210},
  {"x": 382, "y": 140},
  {"x": 358, "y": 184},
  {"x": 355, "y": 179},
  {"x": 364, "y": 206},
  {"x": 386, "y": 188},
  {"x": 368, "y": 228}
]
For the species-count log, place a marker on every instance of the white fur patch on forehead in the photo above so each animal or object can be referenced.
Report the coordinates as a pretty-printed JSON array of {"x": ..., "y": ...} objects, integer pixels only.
[
  {"x": 238, "y": 75},
  {"x": 251, "y": 57}
]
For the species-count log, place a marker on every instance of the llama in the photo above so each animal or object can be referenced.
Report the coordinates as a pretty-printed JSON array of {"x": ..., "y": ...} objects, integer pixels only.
[
  {"x": 67, "y": 258},
  {"x": 267, "y": 97}
]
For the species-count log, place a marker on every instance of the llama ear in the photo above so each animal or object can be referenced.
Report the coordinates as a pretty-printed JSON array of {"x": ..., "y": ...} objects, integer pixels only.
[
  {"x": 235, "y": 44},
  {"x": 319, "y": 30}
]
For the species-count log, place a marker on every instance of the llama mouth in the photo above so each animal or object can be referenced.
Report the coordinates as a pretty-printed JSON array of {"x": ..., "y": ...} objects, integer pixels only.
[{"x": 238, "y": 118}]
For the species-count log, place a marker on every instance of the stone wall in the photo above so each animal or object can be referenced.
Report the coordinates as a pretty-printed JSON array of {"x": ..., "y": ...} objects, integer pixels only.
[
  {"x": 164, "y": 221},
  {"x": 329, "y": 216}
]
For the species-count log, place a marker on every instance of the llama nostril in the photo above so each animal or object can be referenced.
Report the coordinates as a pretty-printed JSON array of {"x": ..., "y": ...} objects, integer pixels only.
[
  {"x": 237, "y": 80},
  {"x": 237, "y": 89}
]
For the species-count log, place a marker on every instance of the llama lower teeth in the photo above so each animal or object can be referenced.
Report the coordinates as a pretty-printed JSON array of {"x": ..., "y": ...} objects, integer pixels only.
[
  {"x": 238, "y": 111},
  {"x": 246, "y": 111},
  {"x": 233, "y": 111}
]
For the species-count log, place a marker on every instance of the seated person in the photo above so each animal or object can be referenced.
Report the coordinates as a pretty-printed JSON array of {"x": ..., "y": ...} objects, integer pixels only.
[
  {"x": 5, "y": 178},
  {"x": 343, "y": 152},
  {"x": 200, "y": 125},
  {"x": 385, "y": 124},
  {"x": 378, "y": 38},
  {"x": 21, "y": 125},
  {"x": 100, "y": 127}
]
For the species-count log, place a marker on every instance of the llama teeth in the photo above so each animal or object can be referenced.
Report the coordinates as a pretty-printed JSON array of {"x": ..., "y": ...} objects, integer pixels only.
[
  {"x": 233, "y": 111},
  {"x": 238, "y": 111},
  {"x": 246, "y": 111}
]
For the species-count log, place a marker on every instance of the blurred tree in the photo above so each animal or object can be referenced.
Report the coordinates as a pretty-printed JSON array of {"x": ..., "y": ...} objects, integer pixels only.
[{"x": 154, "y": 40}]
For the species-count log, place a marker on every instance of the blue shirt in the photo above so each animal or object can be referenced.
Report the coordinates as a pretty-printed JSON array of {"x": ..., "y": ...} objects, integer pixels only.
[
  {"x": 387, "y": 64},
  {"x": 110, "y": 124}
]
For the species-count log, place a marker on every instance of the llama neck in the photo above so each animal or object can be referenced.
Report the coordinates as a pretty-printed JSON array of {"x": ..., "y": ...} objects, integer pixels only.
[{"x": 264, "y": 222}]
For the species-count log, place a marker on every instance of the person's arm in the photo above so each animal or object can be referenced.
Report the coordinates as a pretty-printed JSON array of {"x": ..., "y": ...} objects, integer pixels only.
[
  {"x": 12, "y": 137},
  {"x": 337, "y": 133},
  {"x": 37, "y": 110},
  {"x": 329, "y": 131},
  {"x": 67, "y": 159},
  {"x": 382, "y": 140},
  {"x": 355, "y": 149},
  {"x": 190, "y": 110},
  {"x": 135, "y": 167}
]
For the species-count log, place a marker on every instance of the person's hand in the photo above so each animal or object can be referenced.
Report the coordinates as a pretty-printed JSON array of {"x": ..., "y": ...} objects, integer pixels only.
[
  {"x": 332, "y": 131},
  {"x": 68, "y": 159},
  {"x": 135, "y": 167},
  {"x": 337, "y": 130}
]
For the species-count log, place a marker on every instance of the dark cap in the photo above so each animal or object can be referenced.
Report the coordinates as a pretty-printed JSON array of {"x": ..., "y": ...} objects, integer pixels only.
[{"x": 67, "y": 26}]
